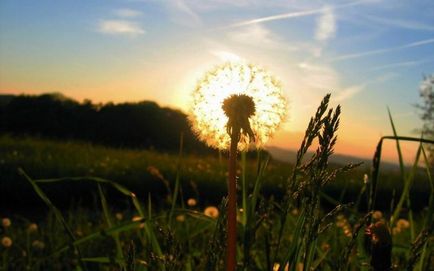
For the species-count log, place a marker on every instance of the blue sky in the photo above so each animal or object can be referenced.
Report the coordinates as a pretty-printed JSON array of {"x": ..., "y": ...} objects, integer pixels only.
[{"x": 369, "y": 54}]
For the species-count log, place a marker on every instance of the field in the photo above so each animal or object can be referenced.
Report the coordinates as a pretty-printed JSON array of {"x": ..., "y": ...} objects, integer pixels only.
[
  {"x": 177, "y": 221},
  {"x": 120, "y": 209},
  {"x": 147, "y": 171}
]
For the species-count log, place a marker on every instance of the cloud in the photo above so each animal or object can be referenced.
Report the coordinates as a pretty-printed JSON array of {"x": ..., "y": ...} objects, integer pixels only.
[
  {"x": 128, "y": 13},
  {"x": 349, "y": 92},
  {"x": 120, "y": 27},
  {"x": 297, "y": 14},
  {"x": 182, "y": 13},
  {"x": 319, "y": 76},
  {"x": 259, "y": 35},
  {"x": 326, "y": 25},
  {"x": 409, "y": 63},
  {"x": 385, "y": 50},
  {"x": 225, "y": 55},
  {"x": 401, "y": 23}
]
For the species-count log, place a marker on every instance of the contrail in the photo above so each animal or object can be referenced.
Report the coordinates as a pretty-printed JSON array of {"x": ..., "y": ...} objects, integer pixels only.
[
  {"x": 385, "y": 50},
  {"x": 294, "y": 14},
  {"x": 402, "y": 64}
]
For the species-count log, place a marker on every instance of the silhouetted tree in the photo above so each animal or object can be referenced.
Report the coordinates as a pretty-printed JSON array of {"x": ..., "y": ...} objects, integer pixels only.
[
  {"x": 135, "y": 125},
  {"x": 426, "y": 92}
]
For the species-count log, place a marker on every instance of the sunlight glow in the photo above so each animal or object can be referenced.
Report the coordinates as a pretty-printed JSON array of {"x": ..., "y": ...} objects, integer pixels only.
[{"x": 207, "y": 117}]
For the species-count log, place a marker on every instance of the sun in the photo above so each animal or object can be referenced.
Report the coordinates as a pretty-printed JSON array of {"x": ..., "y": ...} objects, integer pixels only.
[{"x": 208, "y": 119}]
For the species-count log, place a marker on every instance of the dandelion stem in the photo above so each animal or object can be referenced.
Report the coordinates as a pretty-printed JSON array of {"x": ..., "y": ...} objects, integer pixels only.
[{"x": 232, "y": 204}]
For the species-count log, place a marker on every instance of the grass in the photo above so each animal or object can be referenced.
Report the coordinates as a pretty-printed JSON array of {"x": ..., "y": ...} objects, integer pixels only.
[
  {"x": 281, "y": 219},
  {"x": 148, "y": 171}
]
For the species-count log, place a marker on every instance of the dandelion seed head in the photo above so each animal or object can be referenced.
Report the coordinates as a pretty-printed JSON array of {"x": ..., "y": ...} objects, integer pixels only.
[
  {"x": 191, "y": 202},
  {"x": 38, "y": 245},
  {"x": 33, "y": 227},
  {"x": 180, "y": 218},
  {"x": 211, "y": 211},
  {"x": 377, "y": 215},
  {"x": 403, "y": 223},
  {"x": 6, "y": 222},
  {"x": 6, "y": 242},
  {"x": 208, "y": 118},
  {"x": 119, "y": 216}
]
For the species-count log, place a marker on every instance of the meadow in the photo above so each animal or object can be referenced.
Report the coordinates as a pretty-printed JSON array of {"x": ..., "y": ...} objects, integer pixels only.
[{"x": 78, "y": 206}]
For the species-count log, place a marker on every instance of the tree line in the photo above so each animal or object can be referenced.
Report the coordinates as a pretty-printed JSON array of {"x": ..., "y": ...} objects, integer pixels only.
[{"x": 132, "y": 125}]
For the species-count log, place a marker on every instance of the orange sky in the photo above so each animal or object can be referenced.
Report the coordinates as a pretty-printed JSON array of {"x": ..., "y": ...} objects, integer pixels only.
[{"x": 157, "y": 50}]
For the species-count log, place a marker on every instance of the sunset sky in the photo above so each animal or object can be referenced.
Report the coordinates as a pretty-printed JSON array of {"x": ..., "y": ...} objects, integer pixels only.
[{"x": 369, "y": 54}]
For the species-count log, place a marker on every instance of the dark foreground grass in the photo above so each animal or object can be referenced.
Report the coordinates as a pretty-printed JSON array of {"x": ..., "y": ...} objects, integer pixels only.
[
  {"x": 152, "y": 172},
  {"x": 282, "y": 224}
]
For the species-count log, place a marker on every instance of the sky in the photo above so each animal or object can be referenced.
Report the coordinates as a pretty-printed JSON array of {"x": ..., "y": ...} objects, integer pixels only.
[{"x": 369, "y": 54}]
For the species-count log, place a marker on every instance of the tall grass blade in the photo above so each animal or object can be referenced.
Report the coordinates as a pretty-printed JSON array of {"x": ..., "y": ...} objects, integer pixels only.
[
  {"x": 123, "y": 190},
  {"x": 177, "y": 178},
  {"x": 429, "y": 219},
  {"x": 108, "y": 219},
  {"x": 56, "y": 212},
  {"x": 398, "y": 147},
  {"x": 128, "y": 226},
  {"x": 291, "y": 255},
  {"x": 372, "y": 195},
  {"x": 244, "y": 187}
]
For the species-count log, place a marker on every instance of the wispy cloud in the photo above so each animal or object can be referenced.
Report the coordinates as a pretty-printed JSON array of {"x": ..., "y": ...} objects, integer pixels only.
[
  {"x": 225, "y": 55},
  {"x": 319, "y": 76},
  {"x": 128, "y": 13},
  {"x": 409, "y": 63},
  {"x": 385, "y": 50},
  {"x": 326, "y": 25},
  {"x": 349, "y": 92},
  {"x": 258, "y": 35},
  {"x": 297, "y": 14},
  {"x": 399, "y": 23},
  {"x": 183, "y": 14},
  {"x": 120, "y": 27}
]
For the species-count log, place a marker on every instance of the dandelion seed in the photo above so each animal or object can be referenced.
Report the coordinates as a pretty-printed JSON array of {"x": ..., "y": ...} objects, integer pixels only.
[
  {"x": 180, "y": 218},
  {"x": 6, "y": 222},
  {"x": 276, "y": 267},
  {"x": 33, "y": 227},
  {"x": 403, "y": 224},
  {"x": 119, "y": 216},
  {"x": 396, "y": 230},
  {"x": 191, "y": 202},
  {"x": 365, "y": 178},
  {"x": 155, "y": 172},
  {"x": 325, "y": 246},
  {"x": 6, "y": 242},
  {"x": 38, "y": 245},
  {"x": 138, "y": 218},
  {"x": 211, "y": 211},
  {"x": 377, "y": 215}
]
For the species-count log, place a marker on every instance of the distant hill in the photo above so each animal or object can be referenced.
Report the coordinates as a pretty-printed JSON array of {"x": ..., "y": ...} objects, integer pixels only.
[
  {"x": 142, "y": 124},
  {"x": 289, "y": 156},
  {"x": 5, "y": 99}
]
